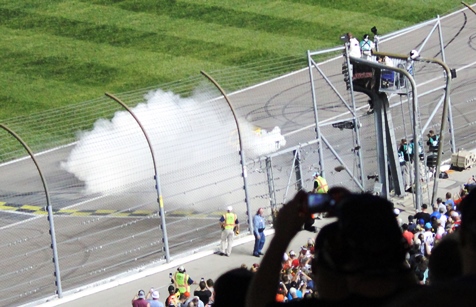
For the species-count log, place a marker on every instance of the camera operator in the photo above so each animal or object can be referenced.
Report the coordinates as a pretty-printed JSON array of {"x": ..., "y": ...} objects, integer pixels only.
[
  {"x": 203, "y": 292},
  {"x": 470, "y": 185},
  {"x": 368, "y": 259}
]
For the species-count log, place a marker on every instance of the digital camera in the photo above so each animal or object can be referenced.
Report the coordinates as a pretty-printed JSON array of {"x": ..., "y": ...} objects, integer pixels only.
[{"x": 318, "y": 203}]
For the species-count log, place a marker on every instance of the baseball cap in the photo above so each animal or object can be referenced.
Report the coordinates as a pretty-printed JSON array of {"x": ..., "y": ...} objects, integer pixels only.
[
  {"x": 229, "y": 208},
  {"x": 310, "y": 241},
  {"x": 155, "y": 294},
  {"x": 421, "y": 221},
  {"x": 141, "y": 294},
  {"x": 396, "y": 211},
  {"x": 187, "y": 294},
  {"x": 181, "y": 269},
  {"x": 428, "y": 225},
  {"x": 292, "y": 253},
  {"x": 316, "y": 174}
]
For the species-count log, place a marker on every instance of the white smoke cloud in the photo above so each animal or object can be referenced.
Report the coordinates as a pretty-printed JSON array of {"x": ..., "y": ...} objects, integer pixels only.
[{"x": 184, "y": 132}]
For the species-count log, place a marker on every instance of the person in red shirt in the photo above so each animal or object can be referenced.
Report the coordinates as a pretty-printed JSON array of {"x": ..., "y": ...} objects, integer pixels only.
[
  {"x": 286, "y": 263},
  {"x": 462, "y": 194},
  {"x": 457, "y": 220},
  {"x": 172, "y": 298},
  {"x": 139, "y": 300},
  {"x": 294, "y": 259},
  {"x": 408, "y": 235}
]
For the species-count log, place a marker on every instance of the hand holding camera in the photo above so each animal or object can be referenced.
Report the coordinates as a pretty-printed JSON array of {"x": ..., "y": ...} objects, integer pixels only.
[{"x": 319, "y": 203}]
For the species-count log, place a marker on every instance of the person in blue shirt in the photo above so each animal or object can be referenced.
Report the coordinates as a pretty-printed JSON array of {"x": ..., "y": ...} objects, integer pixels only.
[
  {"x": 436, "y": 214},
  {"x": 450, "y": 201},
  {"x": 294, "y": 292},
  {"x": 153, "y": 298},
  {"x": 258, "y": 231}
]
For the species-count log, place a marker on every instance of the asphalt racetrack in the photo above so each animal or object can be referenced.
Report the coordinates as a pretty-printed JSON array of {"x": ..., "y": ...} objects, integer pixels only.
[{"x": 284, "y": 102}]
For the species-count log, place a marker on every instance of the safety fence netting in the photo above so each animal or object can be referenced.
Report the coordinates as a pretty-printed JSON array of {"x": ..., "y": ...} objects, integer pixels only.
[{"x": 128, "y": 192}]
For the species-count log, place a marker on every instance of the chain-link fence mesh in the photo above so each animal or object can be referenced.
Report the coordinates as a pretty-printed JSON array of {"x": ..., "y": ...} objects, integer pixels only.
[{"x": 100, "y": 171}]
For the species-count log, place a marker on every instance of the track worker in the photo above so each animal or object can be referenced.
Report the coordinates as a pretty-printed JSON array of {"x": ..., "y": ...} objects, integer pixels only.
[
  {"x": 259, "y": 224},
  {"x": 320, "y": 184},
  {"x": 182, "y": 280},
  {"x": 229, "y": 224},
  {"x": 320, "y": 187}
]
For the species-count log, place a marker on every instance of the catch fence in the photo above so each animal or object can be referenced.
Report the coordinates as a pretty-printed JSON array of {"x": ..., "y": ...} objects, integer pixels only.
[{"x": 100, "y": 170}]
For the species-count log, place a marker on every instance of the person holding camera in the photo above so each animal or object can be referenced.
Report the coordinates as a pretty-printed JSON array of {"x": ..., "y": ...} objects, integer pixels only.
[
  {"x": 153, "y": 298},
  {"x": 203, "y": 292},
  {"x": 182, "y": 280},
  {"x": 139, "y": 300},
  {"x": 470, "y": 184},
  {"x": 368, "y": 257}
]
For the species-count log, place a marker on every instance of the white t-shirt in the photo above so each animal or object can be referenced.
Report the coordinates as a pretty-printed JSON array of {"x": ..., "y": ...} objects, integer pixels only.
[
  {"x": 388, "y": 61},
  {"x": 443, "y": 219},
  {"x": 428, "y": 237},
  {"x": 354, "y": 48}
]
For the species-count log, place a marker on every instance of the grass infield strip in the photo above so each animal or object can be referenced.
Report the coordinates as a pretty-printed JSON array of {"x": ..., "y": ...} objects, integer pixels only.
[{"x": 58, "y": 52}]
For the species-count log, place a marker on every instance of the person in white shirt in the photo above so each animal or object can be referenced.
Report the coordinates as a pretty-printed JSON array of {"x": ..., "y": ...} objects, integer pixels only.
[{"x": 354, "y": 46}]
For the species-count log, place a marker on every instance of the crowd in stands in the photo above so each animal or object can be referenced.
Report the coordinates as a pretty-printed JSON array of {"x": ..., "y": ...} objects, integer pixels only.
[
  {"x": 376, "y": 261},
  {"x": 296, "y": 282},
  {"x": 424, "y": 231},
  {"x": 352, "y": 260},
  {"x": 203, "y": 295}
]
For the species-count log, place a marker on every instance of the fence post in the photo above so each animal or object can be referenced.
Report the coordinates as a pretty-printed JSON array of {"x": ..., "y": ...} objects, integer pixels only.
[
  {"x": 271, "y": 190},
  {"x": 49, "y": 209},
  {"x": 242, "y": 154},
  {"x": 156, "y": 176}
]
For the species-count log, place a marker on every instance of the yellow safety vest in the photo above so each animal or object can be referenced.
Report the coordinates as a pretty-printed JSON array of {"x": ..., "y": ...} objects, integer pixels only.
[
  {"x": 181, "y": 279},
  {"x": 230, "y": 219},
  {"x": 322, "y": 186}
]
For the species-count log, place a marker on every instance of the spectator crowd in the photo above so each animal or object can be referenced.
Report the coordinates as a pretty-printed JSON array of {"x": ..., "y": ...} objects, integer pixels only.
[{"x": 391, "y": 261}]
